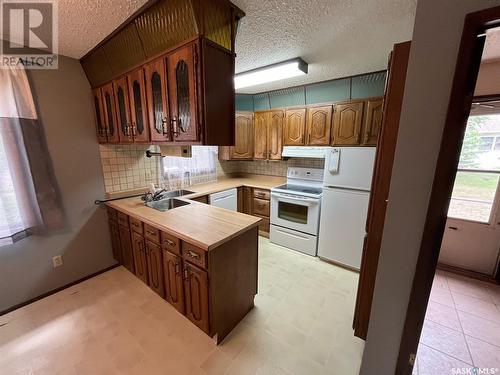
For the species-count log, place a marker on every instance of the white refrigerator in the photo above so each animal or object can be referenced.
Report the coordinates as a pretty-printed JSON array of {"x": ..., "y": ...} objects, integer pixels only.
[{"x": 344, "y": 208}]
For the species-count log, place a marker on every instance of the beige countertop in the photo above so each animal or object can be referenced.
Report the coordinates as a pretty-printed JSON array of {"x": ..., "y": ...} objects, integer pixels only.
[{"x": 200, "y": 224}]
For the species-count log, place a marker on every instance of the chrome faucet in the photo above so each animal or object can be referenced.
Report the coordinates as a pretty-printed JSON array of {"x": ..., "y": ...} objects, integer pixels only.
[{"x": 150, "y": 197}]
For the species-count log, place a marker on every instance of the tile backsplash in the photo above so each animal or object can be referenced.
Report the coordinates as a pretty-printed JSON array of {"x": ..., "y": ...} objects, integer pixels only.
[
  {"x": 126, "y": 167},
  {"x": 273, "y": 168}
]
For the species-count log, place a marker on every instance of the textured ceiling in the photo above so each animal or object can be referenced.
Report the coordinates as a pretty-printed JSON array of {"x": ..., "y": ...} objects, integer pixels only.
[
  {"x": 84, "y": 23},
  {"x": 336, "y": 37}
]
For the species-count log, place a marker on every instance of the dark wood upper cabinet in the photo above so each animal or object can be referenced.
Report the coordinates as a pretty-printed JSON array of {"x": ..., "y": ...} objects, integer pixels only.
[
  {"x": 155, "y": 268},
  {"x": 243, "y": 142},
  {"x": 138, "y": 106},
  {"x": 140, "y": 257},
  {"x": 110, "y": 120},
  {"x": 347, "y": 123},
  {"x": 319, "y": 123},
  {"x": 260, "y": 135},
  {"x": 172, "y": 275},
  {"x": 275, "y": 135},
  {"x": 157, "y": 100},
  {"x": 122, "y": 109},
  {"x": 182, "y": 85},
  {"x": 100, "y": 123},
  {"x": 294, "y": 127},
  {"x": 196, "y": 289},
  {"x": 373, "y": 121}
]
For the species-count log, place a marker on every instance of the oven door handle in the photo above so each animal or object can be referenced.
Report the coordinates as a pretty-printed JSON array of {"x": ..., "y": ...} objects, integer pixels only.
[{"x": 297, "y": 197}]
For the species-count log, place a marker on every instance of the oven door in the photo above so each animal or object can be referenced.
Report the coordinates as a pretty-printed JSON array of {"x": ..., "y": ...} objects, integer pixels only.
[{"x": 295, "y": 212}]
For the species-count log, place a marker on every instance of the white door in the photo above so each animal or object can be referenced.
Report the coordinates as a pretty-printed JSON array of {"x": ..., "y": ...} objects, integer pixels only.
[
  {"x": 342, "y": 226},
  {"x": 472, "y": 236}
]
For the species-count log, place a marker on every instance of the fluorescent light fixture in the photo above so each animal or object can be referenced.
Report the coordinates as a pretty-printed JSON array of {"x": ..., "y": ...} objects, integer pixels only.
[{"x": 275, "y": 72}]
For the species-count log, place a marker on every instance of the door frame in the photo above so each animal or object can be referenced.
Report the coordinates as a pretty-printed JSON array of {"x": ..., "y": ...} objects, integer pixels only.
[{"x": 461, "y": 98}]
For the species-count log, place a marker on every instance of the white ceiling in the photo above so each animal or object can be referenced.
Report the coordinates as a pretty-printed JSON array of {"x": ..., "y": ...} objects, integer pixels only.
[{"x": 336, "y": 37}]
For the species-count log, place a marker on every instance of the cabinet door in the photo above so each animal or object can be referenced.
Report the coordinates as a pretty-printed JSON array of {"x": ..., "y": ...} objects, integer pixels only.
[
  {"x": 294, "y": 128},
  {"x": 182, "y": 74},
  {"x": 373, "y": 121},
  {"x": 140, "y": 257},
  {"x": 319, "y": 124},
  {"x": 174, "y": 288},
  {"x": 138, "y": 106},
  {"x": 247, "y": 200},
  {"x": 157, "y": 101},
  {"x": 110, "y": 120},
  {"x": 347, "y": 123},
  {"x": 155, "y": 268},
  {"x": 275, "y": 135},
  {"x": 126, "y": 246},
  {"x": 243, "y": 142},
  {"x": 196, "y": 289},
  {"x": 122, "y": 108},
  {"x": 260, "y": 135},
  {"x": 115, "y": 240},
  {"x": 100, "y": 123}
]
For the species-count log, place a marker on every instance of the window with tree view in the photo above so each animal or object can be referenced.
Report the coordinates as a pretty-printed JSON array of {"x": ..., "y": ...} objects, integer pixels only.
[{"x": 476, "y": 182}]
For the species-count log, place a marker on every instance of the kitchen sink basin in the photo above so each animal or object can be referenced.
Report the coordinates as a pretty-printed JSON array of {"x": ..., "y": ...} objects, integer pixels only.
[
  {"x": 175, "y": 193},
  {"x": 166, "y": 204}
]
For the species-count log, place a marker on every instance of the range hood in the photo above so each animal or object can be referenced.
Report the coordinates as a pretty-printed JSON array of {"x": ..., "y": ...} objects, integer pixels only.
[{"x": 304, "y": 152}]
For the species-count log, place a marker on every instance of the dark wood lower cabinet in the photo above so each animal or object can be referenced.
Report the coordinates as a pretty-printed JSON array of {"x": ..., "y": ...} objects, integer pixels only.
[
  {"x": 196, "y": 289},
  {"x": 140, "y": 257},
  {"x": 213, "y": 288},
  {"x": 155, "y": 267},
  {"x": 172, "y": 274},
  {"x": 126, "y": 247},
  {"x": 115, "y": 240}
]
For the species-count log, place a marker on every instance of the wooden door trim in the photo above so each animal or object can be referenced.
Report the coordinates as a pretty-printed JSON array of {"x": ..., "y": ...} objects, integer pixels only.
[
  {"x": 461, "y": 97},
  {"x": 380, "y": 186}
]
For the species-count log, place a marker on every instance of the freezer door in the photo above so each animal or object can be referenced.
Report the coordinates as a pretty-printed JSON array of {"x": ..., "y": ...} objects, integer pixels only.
[
  {"x": 349, "y": 167},
  {"x": 342, "y": 226}
]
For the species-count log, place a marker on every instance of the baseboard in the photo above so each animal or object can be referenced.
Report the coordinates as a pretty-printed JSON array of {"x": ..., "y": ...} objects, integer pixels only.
[
  {"x": 54, "y": 291},
  {"x": 467, "y": 273}
]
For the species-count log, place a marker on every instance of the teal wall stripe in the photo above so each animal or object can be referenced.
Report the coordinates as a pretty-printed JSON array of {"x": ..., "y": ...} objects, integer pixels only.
[
  {"x": 368, "y": 85},
  {"x": 261, "y": 102},
  {"x": 329, "y": 91},
  {"x": 244, "y": 102},
  {"x": 287, "y": 97}
]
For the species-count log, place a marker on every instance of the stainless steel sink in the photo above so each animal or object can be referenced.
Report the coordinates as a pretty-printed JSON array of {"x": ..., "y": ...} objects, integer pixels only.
[
  {"x": 166, "y": 204},
  {"x": 175, "y": 193}
]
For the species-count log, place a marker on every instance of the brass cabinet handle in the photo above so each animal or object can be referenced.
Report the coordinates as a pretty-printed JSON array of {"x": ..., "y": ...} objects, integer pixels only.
[
  {"x": 192, "y": 254},
  {"x": 186, "y": 276},
  {"x": 169, "y": 243},
  {"x": 174, "y": 122},
  {"x": 177, "y": 268},
  {"x": 164, "y": 125},
  {"x": 135, "y": 225},
  {"x": 150, "y": 233},
  {"x": 134, "y": 129}
]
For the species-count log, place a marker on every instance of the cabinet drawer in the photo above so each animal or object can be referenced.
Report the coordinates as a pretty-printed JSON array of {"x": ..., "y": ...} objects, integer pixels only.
[
  {"x": 151, "y": 233},
  {"x": 194, "y": 254},
  {"x": 264, "y": 225},
  {"x": 136, "y": 225},
  {"x": 261, "y": 207},
  {"x": 170, "y": 243},
  {"x": 261, "y": 193},
  {"x": 122, "y": 219}
]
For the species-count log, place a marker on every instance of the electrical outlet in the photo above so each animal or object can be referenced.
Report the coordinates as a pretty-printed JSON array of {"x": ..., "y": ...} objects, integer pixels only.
[{"x": 57, "y": 261}]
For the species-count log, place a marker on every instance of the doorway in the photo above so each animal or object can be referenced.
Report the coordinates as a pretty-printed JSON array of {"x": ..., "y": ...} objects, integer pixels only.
[{"x": 458, "y": 196}]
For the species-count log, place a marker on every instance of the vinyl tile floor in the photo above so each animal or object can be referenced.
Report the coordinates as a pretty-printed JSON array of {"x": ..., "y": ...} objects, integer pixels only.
[
  {"x": 114, "y": 324},
  {"x": 462, "y": 328}
]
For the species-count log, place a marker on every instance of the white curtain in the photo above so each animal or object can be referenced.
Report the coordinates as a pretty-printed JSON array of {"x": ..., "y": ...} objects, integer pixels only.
[
  {"x": 183, "y": 172},
  {"x": 28, "y": 194}
]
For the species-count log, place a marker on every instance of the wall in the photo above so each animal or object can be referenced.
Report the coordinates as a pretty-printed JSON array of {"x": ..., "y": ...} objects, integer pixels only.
[
  {"x": 488, "y": 81},
  {"x": 273, "y": 168},
  {"x": 66, "y": 112},
  {"x": 436, "y": 38}
]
